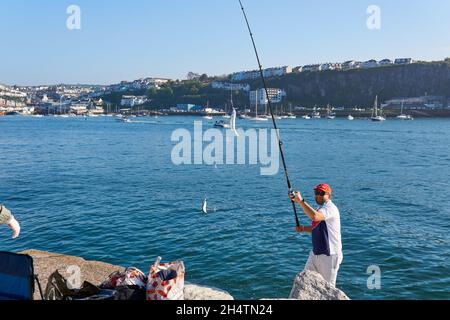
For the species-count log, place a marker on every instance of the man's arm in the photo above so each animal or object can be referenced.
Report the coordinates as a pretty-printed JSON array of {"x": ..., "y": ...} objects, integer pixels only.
[
  {"x": 305, "y": 229},
  {"x": 7, "y": 218},
  {"x": 314, "y": 215}
]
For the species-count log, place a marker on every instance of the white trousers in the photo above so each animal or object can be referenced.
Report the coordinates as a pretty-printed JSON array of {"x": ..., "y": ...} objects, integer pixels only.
[{"x": 326, "y": 266}]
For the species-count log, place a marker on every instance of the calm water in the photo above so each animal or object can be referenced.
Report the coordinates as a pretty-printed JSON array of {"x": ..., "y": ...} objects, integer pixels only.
[{"x": 108, "y": 191}]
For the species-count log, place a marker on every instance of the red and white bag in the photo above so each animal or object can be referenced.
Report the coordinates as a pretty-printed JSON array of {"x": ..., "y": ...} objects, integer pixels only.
[
  {"x": 166, "y": 281},
  {"x": 130, "y": 277}
]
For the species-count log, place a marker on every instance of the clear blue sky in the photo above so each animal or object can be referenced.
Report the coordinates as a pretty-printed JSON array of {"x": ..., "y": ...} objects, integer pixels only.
[{"x": 126, "y": 40}]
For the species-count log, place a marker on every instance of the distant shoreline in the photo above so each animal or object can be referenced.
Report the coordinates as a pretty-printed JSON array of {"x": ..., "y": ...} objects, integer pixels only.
[{"x": 343, "y": 114}]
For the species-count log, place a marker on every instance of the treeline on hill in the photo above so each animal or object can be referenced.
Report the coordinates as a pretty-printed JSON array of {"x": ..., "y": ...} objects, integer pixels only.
[
  {"x": 192, "y": 91},
  {"x": 338, "y": 88},
  {"x": 359, "y": 87}
]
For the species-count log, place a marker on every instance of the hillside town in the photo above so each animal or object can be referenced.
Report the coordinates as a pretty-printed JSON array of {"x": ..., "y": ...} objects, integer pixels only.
[{"x": 91, "y": 100}]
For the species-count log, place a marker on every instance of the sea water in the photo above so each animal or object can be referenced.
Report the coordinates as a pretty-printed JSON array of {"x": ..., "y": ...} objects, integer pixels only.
[{"x": 108, "y": 191}]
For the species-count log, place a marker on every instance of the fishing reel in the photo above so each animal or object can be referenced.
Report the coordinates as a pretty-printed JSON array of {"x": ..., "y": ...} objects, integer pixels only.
[{"x": 292, "y": 195}]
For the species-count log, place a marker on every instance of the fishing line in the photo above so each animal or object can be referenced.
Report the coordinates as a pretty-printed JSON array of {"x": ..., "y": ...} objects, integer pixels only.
[{"x": 269, "y": 103}]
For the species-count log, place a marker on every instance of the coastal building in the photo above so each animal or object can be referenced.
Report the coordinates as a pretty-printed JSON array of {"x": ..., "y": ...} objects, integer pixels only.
[
  {"x": 417, "y": 103},
  {"x": 403, "y": 61},
  {"x": 330, "y": 66},
  {"x": 370, "y": 64},
  {"x": 349, "y": 65},
  {"x": 244, "y": 75},
  {"x": 277, "y": 72},
  {"x": 312, "y": 68},
  {"x": 79, "y": 109},
  {"x": 258, "y": 97},
  {"x": 386, "y": 62},
  {"x": 255, "y": 74},
  {"x": 188, "y": 107},
  {"x": 230, "y": 86},
  {"x": 131, "y": 101}
]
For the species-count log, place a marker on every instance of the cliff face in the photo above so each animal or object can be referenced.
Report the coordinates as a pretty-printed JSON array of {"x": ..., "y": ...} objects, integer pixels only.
[{"x": 359, "y": 87}]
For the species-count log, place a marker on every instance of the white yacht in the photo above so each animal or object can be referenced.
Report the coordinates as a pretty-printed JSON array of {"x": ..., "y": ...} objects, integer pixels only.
[
  {"x": 403, "y": 116},
  {"x": 377, "y": 116}
]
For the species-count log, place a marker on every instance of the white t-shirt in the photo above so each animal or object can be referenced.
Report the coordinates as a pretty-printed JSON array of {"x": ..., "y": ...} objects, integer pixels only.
[{"x": 326, "y": 235}]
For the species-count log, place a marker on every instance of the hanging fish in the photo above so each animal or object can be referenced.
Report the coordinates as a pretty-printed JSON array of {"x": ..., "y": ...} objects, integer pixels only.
[
  {"x": 204, "y": 207},
  {"x": 233, "y": 123}
]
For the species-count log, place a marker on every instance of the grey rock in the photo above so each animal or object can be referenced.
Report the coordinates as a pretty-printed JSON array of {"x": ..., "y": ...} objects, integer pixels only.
[
  {"x": 309, "y": 285},
  {"x": 194, "y": 292}
]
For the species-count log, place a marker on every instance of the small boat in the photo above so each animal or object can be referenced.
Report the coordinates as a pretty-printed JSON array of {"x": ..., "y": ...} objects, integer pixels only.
[
  {"x": 231, "y": 125},
  {"x": 208, "y": 117},
  {"x": 258, "y": 118},
  {"x": 306, "y": 117},
  {"x": 330, "y": 115},
  {"x": 290, "y": 115},
  {"x": 350, "y": 117},
  {"x": 377, "y": 116},
  {"x": 403, "y": 116},
  {"x": 222, "y": 124},
  {"x": 125, "y": 119}
]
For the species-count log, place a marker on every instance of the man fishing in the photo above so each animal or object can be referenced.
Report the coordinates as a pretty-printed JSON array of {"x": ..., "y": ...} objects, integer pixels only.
[
  {"x": 7, "y": 218},
  {"x": 326, "y": 256}
]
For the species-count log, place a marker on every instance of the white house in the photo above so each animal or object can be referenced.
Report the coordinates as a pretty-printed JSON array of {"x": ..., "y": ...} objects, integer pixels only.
[
  {"x": 131, "y": 101},
  {"x": 370, "y": 64},
  {"x": 277, "y": 72},
  {"x": 275, "y": 96},
  {"x": 312, "y": 68},
  {"x": 348, "y": 65},
  {"x": 330, "y": 66},
  {"x": 385, "y": 62},
  {"x": 230, "y": 86},
  {"x": 403, "y": 61}
]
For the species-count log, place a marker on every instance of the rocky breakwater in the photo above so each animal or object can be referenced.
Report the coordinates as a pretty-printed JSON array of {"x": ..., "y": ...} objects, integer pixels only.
[
  {"x": 307, "y": 285},
  {"x": 95, "y": 272}
]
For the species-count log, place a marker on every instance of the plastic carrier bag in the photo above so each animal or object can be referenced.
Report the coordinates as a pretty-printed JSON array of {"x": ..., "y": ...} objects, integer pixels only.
[
  {"x": 166, "y": 281},
  {"x": 130, "y": 277}
]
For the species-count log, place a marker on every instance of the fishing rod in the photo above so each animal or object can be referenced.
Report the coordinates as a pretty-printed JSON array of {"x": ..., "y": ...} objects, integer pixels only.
[{"x": 269, "y": 103}]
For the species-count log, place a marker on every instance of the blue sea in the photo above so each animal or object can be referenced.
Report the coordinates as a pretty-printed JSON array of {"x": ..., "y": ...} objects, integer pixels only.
[{"x": 108, "y": 191}]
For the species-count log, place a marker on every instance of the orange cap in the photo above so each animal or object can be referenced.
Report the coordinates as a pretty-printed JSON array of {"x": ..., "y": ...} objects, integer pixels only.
[{"x": 325, "y": 188}]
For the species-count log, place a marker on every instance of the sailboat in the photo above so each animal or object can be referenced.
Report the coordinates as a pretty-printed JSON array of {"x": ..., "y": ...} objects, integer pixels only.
[
  {"x": 207, "y": 116},
  {"x": 316, "y": 114},
  {"x": 244, "y": 116},
  {"x": 375, "y": 116},
  {"x": 330, "y": 115},
  {"x": 256, "y": 118},
  {"x": 277, "y": 117},
  {"x": 227, "y": 116},
  {"x": 290, "y": 114},
  {"x": 403, "y": 116}
]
